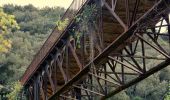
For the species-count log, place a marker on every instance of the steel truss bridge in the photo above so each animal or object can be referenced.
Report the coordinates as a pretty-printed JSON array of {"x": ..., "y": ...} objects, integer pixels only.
[{"x": 106, "y": 51}]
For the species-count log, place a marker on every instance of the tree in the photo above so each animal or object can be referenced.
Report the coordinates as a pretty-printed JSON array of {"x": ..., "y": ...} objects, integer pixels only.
[
  {"x": 16, "y": 89},
  {"x": 7, "y": 23},
  {"x": 35, "y": 26},
  {"x": 167, "y": 96},
  {"x": 121, "y": 96},
  {"x": 34, "y": 20},
  {"x": 34, "y": 30}
]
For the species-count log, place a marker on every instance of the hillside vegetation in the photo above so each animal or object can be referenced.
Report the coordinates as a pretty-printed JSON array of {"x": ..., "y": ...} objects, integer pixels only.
[{"x": 35, "y": 26}]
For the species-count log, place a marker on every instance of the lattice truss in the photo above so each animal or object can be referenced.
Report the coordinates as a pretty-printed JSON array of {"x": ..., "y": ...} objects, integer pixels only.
[{"x": 100, "y": 64}]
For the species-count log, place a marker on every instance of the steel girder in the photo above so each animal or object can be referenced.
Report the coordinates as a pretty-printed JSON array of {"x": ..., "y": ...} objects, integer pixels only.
[{"x": 114, "y": 68}]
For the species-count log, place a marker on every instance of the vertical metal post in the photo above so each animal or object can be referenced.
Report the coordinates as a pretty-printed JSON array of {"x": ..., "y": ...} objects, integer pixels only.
[
  {"x": 77, "y": 93},
  {"x": 127, "y": 12},
  {"x": 105, "y": 76},
  {"x": 122, "y": 69},
  {"x": 143, "y": 54},
  {"x": 36, "y": 89},
  {"x": 67, "y": 61},
  {"x": 45, "y": 85}
]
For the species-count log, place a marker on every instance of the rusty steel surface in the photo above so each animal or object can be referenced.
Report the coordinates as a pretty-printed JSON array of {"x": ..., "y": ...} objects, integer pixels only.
[
  {"x": 119, "y": 44},
  {"x": 52, "y": 39},
  {"x": 98, "y": 57}
]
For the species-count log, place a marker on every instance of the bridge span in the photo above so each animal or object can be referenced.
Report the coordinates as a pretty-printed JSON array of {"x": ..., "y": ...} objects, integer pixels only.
[{"x": 100, "y": 48}]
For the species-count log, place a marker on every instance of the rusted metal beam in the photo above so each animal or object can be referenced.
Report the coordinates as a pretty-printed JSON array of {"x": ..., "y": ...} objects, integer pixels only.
[
  {"x": 157, "y": 49},
  {"x": 115, "y": 46},
  {"x": 114, "y": 14},
  {"x": 75, "y": 56},
  {"x": 50, "y": 79},
  {"x": 100, "y": 63},
  {"x": 140, "y": 78},
  {"x": 125, "y": 65},
  {"x": 103, "y": 79},
  {"x": 51, "y": 42}
]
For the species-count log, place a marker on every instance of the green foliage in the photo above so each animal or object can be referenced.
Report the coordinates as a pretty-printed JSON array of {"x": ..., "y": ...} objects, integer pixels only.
[
  {"x": 35, "y": 26},
  {"x": 1, "y": 86},
  {"x": 85, "y": 21},
  {"x": 61, "y": 24},
  {"x": 121, "y": 96},
  {"x": 87, "y": 16},
  {"x": 23, "y": 48},
  {"x": 165, "y": 74},
  {"x": 7, "y": 23},
  {"x": 78, "y": 36},
  {"x": 137, "y": 98},
  {"x": 167, "y": 97},
  {"x": 16, "y": 89},
  {"x": 34, "y": 20},
  {"x": 149, "y": 89}
]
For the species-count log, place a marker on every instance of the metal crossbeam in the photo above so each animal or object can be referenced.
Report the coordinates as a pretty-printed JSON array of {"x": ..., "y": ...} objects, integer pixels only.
[{"x": 97, "y": 67}]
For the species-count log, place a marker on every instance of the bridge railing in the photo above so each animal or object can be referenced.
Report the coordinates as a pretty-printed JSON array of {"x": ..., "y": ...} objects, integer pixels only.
[{"x": 70, "y": 13}]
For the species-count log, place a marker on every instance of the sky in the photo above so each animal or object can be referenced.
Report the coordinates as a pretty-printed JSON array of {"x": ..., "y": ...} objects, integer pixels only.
[{"x": 38, "y": 3}]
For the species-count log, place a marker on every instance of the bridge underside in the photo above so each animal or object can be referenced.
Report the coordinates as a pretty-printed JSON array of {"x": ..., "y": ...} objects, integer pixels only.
[{"x": 109, "y": 46}]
